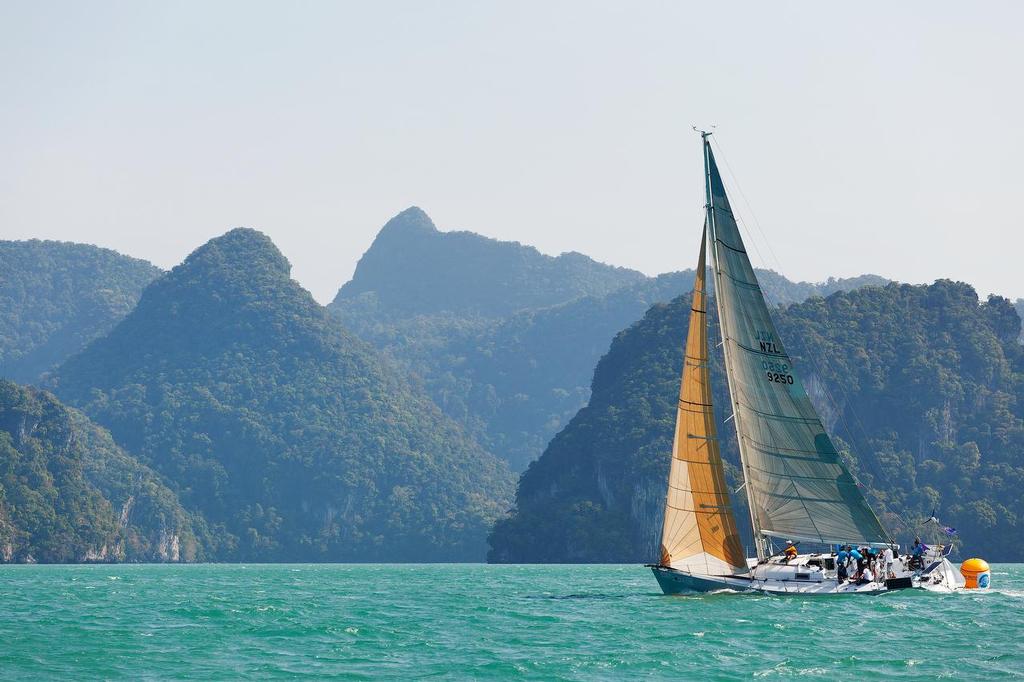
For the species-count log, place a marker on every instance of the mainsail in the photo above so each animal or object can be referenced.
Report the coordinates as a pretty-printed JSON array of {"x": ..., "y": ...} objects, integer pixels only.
[
  {"x": 699, "y": 531},
  {"x": 796, "y": 484}
]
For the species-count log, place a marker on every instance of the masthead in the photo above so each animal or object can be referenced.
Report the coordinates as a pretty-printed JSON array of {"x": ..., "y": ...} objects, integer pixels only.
[{"x": 704, "y": 134}]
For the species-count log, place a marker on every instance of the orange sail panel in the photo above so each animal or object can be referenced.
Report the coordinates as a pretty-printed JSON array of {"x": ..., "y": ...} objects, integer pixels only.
[{"x": 699, "y": 532}]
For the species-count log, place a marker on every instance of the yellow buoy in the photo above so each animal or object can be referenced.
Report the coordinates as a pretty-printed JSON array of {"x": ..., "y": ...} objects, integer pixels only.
[{"x": 976, "y": 574}]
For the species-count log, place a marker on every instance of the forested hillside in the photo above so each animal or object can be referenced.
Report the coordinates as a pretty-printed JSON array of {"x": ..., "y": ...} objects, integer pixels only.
[
  {"x": 514, "y": 382},
  {"x": 295, "y": 439},
  {"x": 921, "y": 384},
  {"x": 505, "y": 339},
  {"x": 55, "y": 297},
  {"x": 68, "y": 494}
]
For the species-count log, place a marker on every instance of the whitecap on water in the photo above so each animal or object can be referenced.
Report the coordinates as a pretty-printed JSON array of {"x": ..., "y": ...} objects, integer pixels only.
[
  {"x": 779, "y": 668},
  {"x": 811, "y": 671}
]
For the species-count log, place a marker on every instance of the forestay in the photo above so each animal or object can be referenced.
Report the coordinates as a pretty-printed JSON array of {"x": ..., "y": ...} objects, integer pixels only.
[{"x": 796, "y": 484}]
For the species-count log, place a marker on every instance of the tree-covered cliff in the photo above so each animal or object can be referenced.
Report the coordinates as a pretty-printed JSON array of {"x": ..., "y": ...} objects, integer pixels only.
[
  {"x": 68, "y": 494},
  {"x": 55, "y": 297},
  {"x": 295, "y": 439},
  {"x": 923, "y": 382}
]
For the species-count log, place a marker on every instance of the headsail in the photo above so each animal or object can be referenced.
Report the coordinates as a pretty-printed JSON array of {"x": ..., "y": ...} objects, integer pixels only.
[
  {"x": 699, "y": 531},
  {"x": 796, "y": 484}
]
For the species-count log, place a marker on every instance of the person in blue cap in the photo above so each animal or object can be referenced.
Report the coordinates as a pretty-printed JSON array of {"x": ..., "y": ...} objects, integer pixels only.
[
  {"x": 855, "y": 555},
  {"x": 842, "y": 558}
]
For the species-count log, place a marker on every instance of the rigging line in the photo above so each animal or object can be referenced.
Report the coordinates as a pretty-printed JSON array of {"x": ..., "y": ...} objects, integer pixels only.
[{"x": 847, "y": 402}]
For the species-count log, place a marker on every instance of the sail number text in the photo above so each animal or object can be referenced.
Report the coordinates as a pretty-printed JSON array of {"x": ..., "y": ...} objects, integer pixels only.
[{"x": 777, "y": 372}]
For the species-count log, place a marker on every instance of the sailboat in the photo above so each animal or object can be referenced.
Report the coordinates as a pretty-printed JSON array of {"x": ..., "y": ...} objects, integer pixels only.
[{"x": 798, "y": 489}]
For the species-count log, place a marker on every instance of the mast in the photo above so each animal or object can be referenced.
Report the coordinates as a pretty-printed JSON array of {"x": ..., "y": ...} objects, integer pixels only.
[{"x": 709, "y": 208}]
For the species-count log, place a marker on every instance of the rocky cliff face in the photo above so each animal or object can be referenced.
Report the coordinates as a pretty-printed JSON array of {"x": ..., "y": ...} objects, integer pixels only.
[{"x": 63, "y": 485}]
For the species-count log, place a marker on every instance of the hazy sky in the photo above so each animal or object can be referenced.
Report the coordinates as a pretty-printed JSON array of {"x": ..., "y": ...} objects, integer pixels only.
[{"x": 876, "y": 137}]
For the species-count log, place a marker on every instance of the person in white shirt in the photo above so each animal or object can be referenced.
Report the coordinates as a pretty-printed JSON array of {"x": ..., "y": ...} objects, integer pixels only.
[
  {"x": 887, "y": 559},
  {"x": 866, "y": 576}
]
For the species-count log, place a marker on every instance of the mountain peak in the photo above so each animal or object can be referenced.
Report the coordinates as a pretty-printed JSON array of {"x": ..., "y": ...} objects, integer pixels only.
[
  {"x": 413, "y": 268},
  {"x": 242, "y": 249},
  {"x": 411, "y": 221}
]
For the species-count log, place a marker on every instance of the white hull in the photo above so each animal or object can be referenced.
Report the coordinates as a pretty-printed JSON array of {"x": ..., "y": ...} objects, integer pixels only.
[{"x": 808, "y": 574}]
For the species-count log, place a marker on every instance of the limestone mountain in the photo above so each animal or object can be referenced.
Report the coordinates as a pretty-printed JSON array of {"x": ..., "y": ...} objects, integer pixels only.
[
  {"x": 68, "y": 494},
  {"x": 923, "y": 385},
  {"x": 412, "y": 268},
  {"x": 55, "y": 297},
  {"x": 507, "y": 352},
  {"x": 296, "y": 440}
]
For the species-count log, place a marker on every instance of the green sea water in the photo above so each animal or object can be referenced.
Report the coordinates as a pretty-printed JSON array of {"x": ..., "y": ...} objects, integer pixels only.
[{"x": 476, "y": 621}]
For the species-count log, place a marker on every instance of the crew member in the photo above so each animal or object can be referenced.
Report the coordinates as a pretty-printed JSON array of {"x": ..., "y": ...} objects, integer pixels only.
[
  {"x": 855, "y": 555},
  {"x": 887, "y": 559},
  {"x": 842, "y": 559},
  {"x": 866, "y": 576},
  {"x": 790, "y": 552},
  {"x": 917, "y": 554}
]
